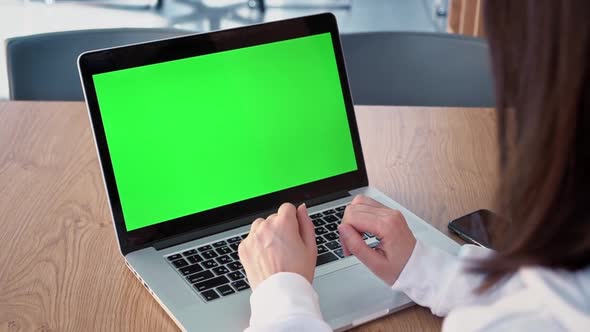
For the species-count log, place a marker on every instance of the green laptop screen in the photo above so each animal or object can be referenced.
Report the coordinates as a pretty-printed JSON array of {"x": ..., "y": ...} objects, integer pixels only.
[{"x": 190, "y": 135}]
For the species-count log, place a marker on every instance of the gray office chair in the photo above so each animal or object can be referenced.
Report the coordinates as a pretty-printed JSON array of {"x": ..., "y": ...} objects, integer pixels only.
[
  {"x": 418, "y": 69},
  {"x": 44, "y": 66}
]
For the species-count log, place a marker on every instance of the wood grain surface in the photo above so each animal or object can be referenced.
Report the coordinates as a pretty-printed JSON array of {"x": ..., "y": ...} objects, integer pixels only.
[
  {"x": 466, "y": 17},
  {"x": 60, "y": 268}
]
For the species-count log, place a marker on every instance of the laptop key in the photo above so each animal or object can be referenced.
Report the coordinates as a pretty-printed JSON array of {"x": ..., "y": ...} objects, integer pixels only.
[
  {"x": 340, "y": 215},
  {"x": 223, "y": 250},
  {"x": 340, "y": 208},
  {"x": 225, "y": 290},
  {"x": 195, "y": 259},
  {"x": 315, "y": 216},
  {"x": 331, "y": 236},
  {"x": 318, "y": 222},
  {"x": 209, "y": 295},
  {"x": 234, "y": 266},
  {"x": 240, "y": 285},
  {"x": 220, "y": 270},
  {"x": 322, "y": 250},
  {"x": 235, "y": 256},
  {"x": 211, "y": 283},
  {"x": 236, "y": 275},
  {"x": 223, "y": 259},
  {"x": 330, "y": 218},
  {"x": 245, "y": 236},
  {"x": 204, "y": 248},
  {"x": 320, "y": 230},
  {"x": 320, "y": 240},
  {"x": 201, "y": 276},
  {"x": 326, "y": 258},
  {"x": 219, "y": 244},
  {"x": 245, "y": 275},
  {"x": 235, "y": 239},
  {"x": 328, "y": 212},
  {"x": 179, "y": 263},
  {"x": 209, "y": 254},
  {"x": 333, "y": 245},
  {"x": 339, "y": 253},
  {"x": 191, "y": 269},
  {"x": 174, "y": 257},
  {"x": 190, "y": 252},
  {"x": 332, "y": 227},
  {"x": 234, "y": 246},
  {"x": 209, "y": 264}
]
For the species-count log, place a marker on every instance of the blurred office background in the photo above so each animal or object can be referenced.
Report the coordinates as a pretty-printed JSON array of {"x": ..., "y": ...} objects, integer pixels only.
[{"x": 26, "y": 17}]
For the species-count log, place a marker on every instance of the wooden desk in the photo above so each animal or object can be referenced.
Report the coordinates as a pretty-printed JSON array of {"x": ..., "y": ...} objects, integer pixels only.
[{"x": 60, "y": 268}]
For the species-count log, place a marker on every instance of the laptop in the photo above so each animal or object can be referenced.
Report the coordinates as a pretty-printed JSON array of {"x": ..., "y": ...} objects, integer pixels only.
[{"x": 200, "y": 135}]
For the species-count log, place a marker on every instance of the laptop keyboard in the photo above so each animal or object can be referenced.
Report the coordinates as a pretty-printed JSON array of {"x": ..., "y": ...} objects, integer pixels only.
[{"x": 214, "y": 270}]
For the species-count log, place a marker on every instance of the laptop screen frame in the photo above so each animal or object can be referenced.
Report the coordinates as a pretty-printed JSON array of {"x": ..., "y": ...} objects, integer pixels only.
[{"x": 101, "y": 61}]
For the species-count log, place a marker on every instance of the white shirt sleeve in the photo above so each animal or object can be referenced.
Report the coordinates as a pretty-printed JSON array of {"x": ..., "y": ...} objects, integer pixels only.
[
  {"x": 285, "y": 302},
  {"x": 444, "y": 282},
  {"x": 438, "y": 280}
]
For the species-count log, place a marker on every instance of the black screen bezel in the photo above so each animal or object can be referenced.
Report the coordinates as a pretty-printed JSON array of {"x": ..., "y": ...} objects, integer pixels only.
[{"x": 100, "y": 61}]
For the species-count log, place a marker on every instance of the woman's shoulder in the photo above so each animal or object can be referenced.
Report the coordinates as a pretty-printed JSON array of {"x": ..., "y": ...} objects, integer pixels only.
[
  {"x": 549, "y": 300},
  {"x": 566, "y": 294}
]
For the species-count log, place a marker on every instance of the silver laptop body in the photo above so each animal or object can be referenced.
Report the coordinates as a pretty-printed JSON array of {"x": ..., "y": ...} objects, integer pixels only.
[{"x": 349, "y": 293}]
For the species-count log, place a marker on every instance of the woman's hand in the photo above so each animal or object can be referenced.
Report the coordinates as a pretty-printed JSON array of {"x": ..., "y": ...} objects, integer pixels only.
[
  {"x": 283, "y": 242},
  {"x": 388, "y": 259}
]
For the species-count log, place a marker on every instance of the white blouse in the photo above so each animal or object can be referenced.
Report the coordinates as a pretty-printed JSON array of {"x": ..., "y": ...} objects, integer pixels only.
[{"x": 534, "y": 299}]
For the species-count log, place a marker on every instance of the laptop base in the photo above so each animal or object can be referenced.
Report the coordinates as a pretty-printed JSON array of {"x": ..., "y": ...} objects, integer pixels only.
[{"x": 350, "y": 295}]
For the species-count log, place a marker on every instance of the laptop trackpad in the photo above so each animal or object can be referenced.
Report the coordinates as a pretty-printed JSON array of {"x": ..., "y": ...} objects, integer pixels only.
[{"x": 354, "y": 293}]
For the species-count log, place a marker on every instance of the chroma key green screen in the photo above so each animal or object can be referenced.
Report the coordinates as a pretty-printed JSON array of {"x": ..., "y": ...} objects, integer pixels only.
[{"x": 198, "y": 133}]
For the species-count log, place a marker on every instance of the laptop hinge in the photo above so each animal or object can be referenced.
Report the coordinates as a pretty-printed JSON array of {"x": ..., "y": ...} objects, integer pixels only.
[
  {"x": 326, "y": 198},
  {"x": 197, "y": 234}
]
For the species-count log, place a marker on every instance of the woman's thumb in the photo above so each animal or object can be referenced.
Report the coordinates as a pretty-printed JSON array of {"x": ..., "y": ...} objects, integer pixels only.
[{"x": 354, "y": 243}]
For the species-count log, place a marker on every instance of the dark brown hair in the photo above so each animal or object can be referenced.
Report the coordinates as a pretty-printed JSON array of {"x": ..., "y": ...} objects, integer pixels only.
[{"x": 540, "y": 51}]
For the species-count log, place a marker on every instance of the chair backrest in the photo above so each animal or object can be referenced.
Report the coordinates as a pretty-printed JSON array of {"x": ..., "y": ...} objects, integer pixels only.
[
  {"x": 418, "y": 69},
  {"x": 44, "y": 66}
]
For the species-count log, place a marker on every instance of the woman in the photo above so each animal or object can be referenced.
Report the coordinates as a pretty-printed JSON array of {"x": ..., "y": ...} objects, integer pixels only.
[{"x": 539, "y": 280}]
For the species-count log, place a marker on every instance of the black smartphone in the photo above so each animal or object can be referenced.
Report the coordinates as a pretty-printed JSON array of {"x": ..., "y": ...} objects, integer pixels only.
[{"x": 475, "y": 228}]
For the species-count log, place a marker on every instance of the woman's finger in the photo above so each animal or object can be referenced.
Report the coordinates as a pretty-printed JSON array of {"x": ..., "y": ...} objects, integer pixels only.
[
  {"x": 287, "y": 216},
  {"x": 380, "y": 211},
  {"x": 356, "y": 245},
  {"x": 365, "y": 200},
  {"x": 363, "y": 222},
  {"x": 255, "y": 225},
  {"x": 287, "y": 210},
  {"x": 306, "y": 229},
  {"x": 345, "y": 250}
]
